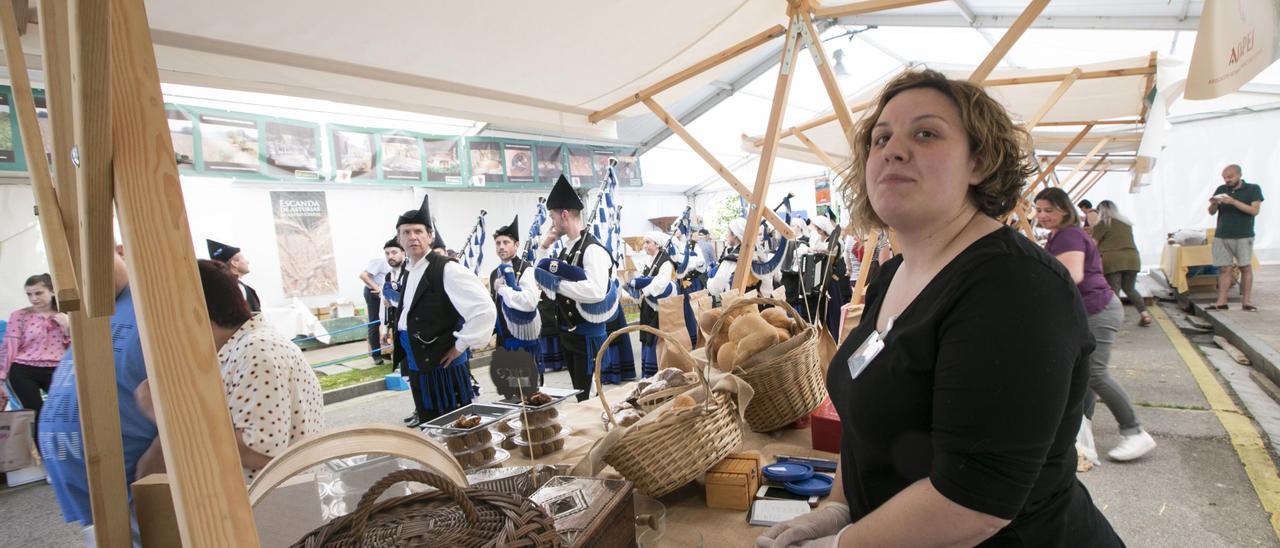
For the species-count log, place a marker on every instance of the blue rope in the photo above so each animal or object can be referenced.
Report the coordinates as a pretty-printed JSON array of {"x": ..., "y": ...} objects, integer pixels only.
[
  {"x": 343, "y": 330},
  {"x": 346, "y": 359}
]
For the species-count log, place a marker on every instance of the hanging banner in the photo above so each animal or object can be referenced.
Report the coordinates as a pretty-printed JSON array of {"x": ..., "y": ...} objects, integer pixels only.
[
  {"x": 1237, "y": 39},
  {"x": 822, "y": 195},
  {"x": 304, "y": 243}
]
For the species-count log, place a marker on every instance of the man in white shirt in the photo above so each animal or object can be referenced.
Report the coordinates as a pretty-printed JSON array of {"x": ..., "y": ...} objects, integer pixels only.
[
  {"x": 373, "y": 277},
  {"x": 579, "y": 280},
  {"x": 722, "y": 276},
  {"x": 445, "y": 312}
]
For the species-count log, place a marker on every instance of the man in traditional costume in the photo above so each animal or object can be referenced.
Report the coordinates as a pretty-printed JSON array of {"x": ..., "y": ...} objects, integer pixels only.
[
  {"x": 516, "y": 295},
  {"x": 653, "y": 284},
  {"x": 232, "y": 256},
  {"x": 444, "y": 313}
]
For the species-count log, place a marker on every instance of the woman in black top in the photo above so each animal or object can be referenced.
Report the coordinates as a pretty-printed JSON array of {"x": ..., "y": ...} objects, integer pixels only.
[{"x": 959, "y": 426}]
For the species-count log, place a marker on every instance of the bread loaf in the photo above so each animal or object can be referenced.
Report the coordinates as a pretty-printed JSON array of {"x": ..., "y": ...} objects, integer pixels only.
[
  {"x": 776, "y": 317},
  {"x": 708, "y": 319},
  {"x": 748, "y": 325},
  {"x": 756, "y": 342},
  {"x": 727, "y": 356},
  {"x": 783, "y": 335}
]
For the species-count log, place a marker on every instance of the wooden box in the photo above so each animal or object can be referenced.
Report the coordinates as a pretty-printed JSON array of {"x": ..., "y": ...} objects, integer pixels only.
[
  {"x": 589, "y": 511},
  {"x": 732, "y": 483}
]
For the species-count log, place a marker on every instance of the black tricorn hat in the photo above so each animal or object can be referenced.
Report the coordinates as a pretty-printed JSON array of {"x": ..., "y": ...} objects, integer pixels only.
[
  {"x": 563, "y": 196},
  {"x": 219, "y": 251},
  {"x": 511, "y": 231},
  {"x": 420, "y": 216}
]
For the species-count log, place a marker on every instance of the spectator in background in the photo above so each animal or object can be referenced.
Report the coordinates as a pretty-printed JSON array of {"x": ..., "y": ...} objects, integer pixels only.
[
  {"x": 1236, "y": 203},
  {"x": 272, "y": 395},
  {"x": 373, "y": 277},
  {"x": 35, "y": 340},
  {"x": 1077, "y": 252},
  {"x": 1088, "y": 214},
  {"x": 1120, "y": 261},
  {"x": 60, "y": 443},
  {"x": 232, "y": 257}
]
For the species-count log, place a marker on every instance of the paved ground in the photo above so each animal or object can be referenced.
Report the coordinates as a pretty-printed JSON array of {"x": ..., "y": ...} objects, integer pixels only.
[
  {"x": 1263, "y": 324},
  {"x": 1191, "y": 491}
]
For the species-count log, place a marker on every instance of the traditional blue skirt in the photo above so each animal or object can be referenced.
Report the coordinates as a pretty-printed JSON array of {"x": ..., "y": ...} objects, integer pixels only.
[
  {"x": 549, "y": 357},
  {"x": 649, "y": 359},
  {"x": 619, "y": 359},
  {"x": 444, "y": 388}
]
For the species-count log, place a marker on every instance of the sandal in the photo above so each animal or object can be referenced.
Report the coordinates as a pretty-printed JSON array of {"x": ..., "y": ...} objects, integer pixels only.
[
  {"x": 1216, "y": 307},
  {"x": 1250, "y": 308},
  {"x": 1146, "y": 319}
]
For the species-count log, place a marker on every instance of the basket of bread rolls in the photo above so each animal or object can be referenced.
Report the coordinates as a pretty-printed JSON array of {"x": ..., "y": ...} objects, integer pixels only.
[
  {"x": 775, "y": 351},
  {"x": 680, "y": 439}
]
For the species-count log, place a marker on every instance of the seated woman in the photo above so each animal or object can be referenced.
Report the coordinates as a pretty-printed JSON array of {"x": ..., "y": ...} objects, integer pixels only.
[
  {"x": 959, "y": 419},
  {"x": 272, "y": 395}
]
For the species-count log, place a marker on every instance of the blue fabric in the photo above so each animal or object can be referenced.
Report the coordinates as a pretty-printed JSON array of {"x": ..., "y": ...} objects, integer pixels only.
[
  {"x": 443, "y": 389},
  {"x": 549, "y": 356},
  {"x": 649, "y": 359},
  {"x": 632, "y": 290},
  {"x": 691, "y": 321},
  {"x": 546, "y": 279},
  {"x": 60, "y": 443},
  {"x": 508, "y": 275},
  {"x": 563, "y": 270},
  {"x": 390, "y": 294},
  {"x": 619, "y": 358},
  {"x": 642, "y": 282}
]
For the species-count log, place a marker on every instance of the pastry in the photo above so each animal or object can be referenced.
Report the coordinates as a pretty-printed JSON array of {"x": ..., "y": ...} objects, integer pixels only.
[
  {"x": 541, "y": 415},
  {"x": 540, "y": 449},
  {"x": 537, "y": 398},
  {"x": 467, "y": 421},
  {"x": 456, "y": 444},
  {"x": 709, "y": 318}
]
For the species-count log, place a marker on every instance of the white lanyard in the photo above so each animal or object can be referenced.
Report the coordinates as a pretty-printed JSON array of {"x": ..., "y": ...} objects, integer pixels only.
[{"x": 868, "y": 351}]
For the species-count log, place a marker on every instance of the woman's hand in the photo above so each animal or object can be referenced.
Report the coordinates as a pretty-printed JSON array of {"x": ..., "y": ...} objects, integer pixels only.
[
  {"x": 823, "y": 522},
  {"x": 63, "y": 321}
]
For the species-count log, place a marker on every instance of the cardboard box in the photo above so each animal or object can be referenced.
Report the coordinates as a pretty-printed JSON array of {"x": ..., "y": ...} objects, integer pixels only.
[
  {"x": 732, "y": 483},
  {"x": 825, "y": 427}
]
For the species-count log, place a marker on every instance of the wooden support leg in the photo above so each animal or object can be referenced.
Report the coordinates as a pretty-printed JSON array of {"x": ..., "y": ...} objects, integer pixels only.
[
  {"x": 91, "y": 65},
  {"x": 767, "y": 153},
  {"x": 829, "y": 81},
  {"x": 199, "y": 446}
]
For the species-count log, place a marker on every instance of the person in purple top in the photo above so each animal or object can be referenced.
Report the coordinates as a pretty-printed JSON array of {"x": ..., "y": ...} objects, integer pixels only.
[{"x": 1076, "y": 250}]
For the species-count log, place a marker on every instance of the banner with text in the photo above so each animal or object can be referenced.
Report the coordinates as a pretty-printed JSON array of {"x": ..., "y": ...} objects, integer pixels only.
[
  {"x": 305, "y": 243},
  {"x": 1237, "y": 40}
]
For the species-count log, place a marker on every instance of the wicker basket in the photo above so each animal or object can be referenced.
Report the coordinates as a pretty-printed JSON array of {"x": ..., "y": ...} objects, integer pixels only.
[
  {"x": 451, "y": 516},
  {"x": 661, "y": 455},
  {"x": 788, "y": 378}
]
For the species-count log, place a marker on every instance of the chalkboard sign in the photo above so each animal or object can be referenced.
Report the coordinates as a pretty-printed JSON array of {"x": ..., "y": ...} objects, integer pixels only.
[{"x": 511, "y": 370}]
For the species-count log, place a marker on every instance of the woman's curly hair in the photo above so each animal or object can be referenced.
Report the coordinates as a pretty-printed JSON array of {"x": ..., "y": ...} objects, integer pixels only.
[{"x": 999, "y": 146}]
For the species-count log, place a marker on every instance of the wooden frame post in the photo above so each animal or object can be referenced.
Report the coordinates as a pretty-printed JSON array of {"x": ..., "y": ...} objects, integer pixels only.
[
  {"x": 868, "y": 255},
  {"x": 829, "y": 81},
  {"x": 1054, "y": 97},
  {"x": 1101, "y": 173},
  {"x": 1011, "y": 36},
  {"x": 1084, "y": 161},
  {"x": 725, "y": 173},
  {"x": 1088, "y": 173},
  {"x": 90, "y": 336},
  {"x": 767, "y": 154},
  {"x": 1057, "y": 160},
  {"x": 817, "y": 151},
  {"x": 200, "y": 449},
  {"x": 91, "y": 94}
]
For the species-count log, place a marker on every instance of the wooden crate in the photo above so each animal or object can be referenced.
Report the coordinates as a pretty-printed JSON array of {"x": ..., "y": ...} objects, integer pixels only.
[{"x": 732, "y": 483}]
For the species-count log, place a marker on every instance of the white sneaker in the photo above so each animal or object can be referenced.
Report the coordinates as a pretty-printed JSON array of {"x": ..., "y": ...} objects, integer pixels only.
[{"x": 1132, "y": 447}]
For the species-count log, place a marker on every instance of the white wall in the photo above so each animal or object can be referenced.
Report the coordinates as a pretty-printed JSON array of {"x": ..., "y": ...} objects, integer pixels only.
[
  {"x": 22, "y": 251},
  {"x": 1188, "y": 171}
]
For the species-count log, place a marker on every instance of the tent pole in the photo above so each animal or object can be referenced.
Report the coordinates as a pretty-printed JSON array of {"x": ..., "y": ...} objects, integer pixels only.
[
  {"x": 767, "y": 153},
  {"x": 838, "y": 105},
  {"x": 725, "y": 173},
  {"x": 209, "y": 496},
  {"x": 91, "y": 96},
  {"x": 1086, "y": 175},
  {"x": 1011, "y": 36},
  {"x": 694, "y": 70},
  {"x": 1054, "y": 164}
]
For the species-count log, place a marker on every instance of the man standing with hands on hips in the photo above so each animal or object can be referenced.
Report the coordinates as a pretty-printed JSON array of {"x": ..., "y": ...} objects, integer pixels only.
[
  {"x": 445, "y": 312},
  {"x": 1236, "y": 203}
]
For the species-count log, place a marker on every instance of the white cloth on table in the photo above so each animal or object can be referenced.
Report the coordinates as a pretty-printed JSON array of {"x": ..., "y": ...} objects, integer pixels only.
[{"x": 296, "y": 319}]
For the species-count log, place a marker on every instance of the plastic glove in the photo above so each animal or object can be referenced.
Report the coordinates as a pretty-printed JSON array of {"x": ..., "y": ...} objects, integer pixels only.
[
  {"x": 508, "y": 275},
  {"x": 548, "y": 281},
  {"x": 823, "y": 522}
]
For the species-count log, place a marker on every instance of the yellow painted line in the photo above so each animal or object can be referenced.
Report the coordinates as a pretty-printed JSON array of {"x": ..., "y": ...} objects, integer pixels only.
[{"x": 1245, "y": 438}]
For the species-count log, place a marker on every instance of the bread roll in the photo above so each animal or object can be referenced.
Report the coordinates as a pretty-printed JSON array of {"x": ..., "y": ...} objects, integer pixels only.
[
  {"x": 776, "y": 317},
  {"x": 708, "y": 319},
  {"x": 757, "y": 342},
  {"x": 747, "y": 325},
  {"x": 783, "y": 335},
  {"x": 727, "y": 356}
]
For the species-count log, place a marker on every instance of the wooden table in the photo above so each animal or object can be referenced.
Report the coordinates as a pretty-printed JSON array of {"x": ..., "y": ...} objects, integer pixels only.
[{"x": 1176, "y": 259}]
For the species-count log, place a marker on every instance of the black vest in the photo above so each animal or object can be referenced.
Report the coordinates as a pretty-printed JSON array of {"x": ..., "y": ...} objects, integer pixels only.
[
  {"x": 251, "y": 297},
  {"x": 517, "y": 265},
  {"x": 566, "y": 309},
  {"x": 391, "y": 316},
  {"x": 432, "y": 317}
]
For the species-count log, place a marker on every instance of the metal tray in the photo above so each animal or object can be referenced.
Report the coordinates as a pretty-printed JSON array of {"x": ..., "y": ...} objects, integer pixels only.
[
  {"x": 557, "y": 395},
  {"x": 489, "y": 413}
]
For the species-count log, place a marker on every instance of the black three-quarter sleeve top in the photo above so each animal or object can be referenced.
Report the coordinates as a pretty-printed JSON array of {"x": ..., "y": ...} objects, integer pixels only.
[{"x": 980, "y": 388}]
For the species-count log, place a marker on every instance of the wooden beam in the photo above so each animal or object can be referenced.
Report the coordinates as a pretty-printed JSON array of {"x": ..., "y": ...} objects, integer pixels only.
[
  {"x": 1146, "y": 89},
  {"x": 1011, "y": 36},
  {"x": 1119, "y": 122},
  {"x": 1084, "y": 161},
  {"x": 90, "y": 337},
  {"x": 698, "y": 68},
  {"x": 838, "y": 105},
  {"x": 1086, "y": 175},
  {"x": 1054, "y": 164},
  {"x": 199, "y": 445},
  {"x": 865, "y": 7},
  {"x": 1053, "y": 99},
  {"x": 817, "y": 151},
  {"x": 767, "y": 152},
  {"x": 679, "y": 130},
  {"x": 50, "y": 214},
  {"x": 868, "y": 254},
  {"x": 91, "y": 95},
  {"x": 1087, "y": 75},
  {"x": 1085, "y": 191}
]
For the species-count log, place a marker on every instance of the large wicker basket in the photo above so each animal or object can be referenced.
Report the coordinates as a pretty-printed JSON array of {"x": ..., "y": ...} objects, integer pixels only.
[
  {"x": 787, "y": 378},
  {"x": 660, "y": 456},
  {"x": 451, "y": 516}
]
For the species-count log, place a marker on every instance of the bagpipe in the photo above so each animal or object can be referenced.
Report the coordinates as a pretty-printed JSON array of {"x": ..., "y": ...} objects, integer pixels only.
[
  {"x": 680, "y": 259},
  {"x": 551, "y": 272},
  {"x": 473, "y": 251},
  {"x": 523, "y": 321},
  {"x": 773, "y": 243}
]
